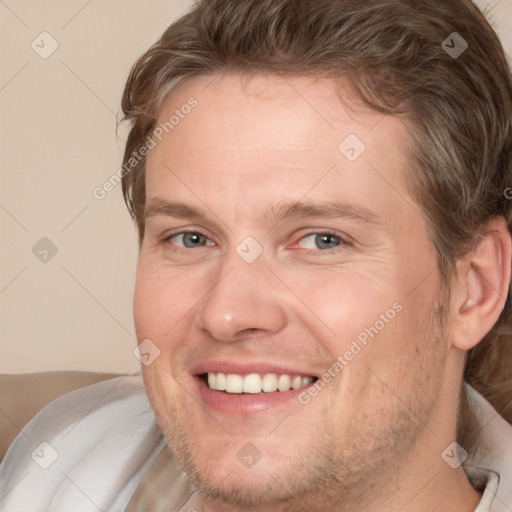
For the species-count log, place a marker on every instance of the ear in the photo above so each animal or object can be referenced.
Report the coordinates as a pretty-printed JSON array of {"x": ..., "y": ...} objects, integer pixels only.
[{"x": 480, "y": 292}]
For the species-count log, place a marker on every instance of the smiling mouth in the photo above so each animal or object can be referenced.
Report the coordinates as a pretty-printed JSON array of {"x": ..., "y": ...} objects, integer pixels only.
[{"x": 254, "y": 383}]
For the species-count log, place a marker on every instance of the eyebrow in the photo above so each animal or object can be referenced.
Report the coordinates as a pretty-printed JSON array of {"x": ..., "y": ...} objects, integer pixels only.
[
  {"x": 304, "y": 209},
  {"x": 274, "y": 214},
  {"x": 157, "y": 206}
]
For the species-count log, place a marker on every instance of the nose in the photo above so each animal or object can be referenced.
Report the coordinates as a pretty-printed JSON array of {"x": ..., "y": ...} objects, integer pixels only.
[{"x": 245, "y": 298}]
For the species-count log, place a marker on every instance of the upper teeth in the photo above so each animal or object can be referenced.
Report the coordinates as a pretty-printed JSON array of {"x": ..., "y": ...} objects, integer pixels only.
[{"x": 256, "y": 383}]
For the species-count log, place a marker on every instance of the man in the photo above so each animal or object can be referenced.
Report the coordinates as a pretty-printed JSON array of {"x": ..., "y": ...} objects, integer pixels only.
[{"x": 320, "y": 190}]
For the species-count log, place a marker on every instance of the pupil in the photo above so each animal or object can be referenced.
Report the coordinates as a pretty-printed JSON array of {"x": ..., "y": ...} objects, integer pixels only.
[
  {"x": 326, "y": 241},
  {"x": 192, "y": 239}
]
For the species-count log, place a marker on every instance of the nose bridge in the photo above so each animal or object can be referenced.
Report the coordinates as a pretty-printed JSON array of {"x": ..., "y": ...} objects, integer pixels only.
[{"x": 241, "y": 299}]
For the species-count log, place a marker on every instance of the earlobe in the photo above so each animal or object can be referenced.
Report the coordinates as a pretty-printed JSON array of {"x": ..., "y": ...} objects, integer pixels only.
[{"x": 482, "y": 286}]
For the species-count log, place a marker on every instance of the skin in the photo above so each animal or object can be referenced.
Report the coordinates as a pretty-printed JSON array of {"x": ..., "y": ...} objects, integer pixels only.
[{"x": 372, "y": 439}]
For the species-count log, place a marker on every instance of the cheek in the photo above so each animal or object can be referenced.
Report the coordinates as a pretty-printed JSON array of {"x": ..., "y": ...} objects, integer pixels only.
[
  {"x": 161, "y": 300},
  {"x": 343, "y": 305},
  {"x": 147, "y": 304},
  {"x": 366, "y": 320}
]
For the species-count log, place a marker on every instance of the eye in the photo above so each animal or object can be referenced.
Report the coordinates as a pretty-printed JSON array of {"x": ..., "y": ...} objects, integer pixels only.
[
  {"x": 190, "y": 239},
  {"x": 320, "y": 241}
]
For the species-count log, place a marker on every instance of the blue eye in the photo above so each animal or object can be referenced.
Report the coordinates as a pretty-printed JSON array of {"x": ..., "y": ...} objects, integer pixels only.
[
  {"x": 190, "y": 239},
  {"x": 320, "y": 241}
]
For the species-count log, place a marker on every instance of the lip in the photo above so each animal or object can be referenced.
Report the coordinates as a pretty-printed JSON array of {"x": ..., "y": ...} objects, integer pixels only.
[
  {"x": 247, "y": 368},
  {"x": 246, "y": 404}
]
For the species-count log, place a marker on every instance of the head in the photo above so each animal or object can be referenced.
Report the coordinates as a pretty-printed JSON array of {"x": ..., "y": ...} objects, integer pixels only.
[{"x": 319, "y": 190}]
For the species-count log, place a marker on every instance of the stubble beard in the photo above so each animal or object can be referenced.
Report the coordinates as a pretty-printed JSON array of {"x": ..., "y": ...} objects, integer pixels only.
[{"x": 324, "y": 472}]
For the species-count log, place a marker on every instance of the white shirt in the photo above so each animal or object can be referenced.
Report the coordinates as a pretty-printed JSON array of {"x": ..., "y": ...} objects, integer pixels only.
[{"x": 88, "y": 450}]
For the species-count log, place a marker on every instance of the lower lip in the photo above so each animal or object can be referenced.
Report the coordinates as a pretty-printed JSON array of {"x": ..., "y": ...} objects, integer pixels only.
[{"x": 245, "y": 404}]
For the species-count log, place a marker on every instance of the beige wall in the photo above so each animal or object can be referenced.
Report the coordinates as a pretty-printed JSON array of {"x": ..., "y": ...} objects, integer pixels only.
[{"x": 58, "y": 143}]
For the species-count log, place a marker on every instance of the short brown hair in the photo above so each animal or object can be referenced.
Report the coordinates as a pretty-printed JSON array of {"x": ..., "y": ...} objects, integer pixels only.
[{"x": 395, "y": 54}]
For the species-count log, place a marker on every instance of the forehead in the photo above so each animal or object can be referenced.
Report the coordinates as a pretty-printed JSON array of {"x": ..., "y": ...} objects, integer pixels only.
[
  {"x": 276, "y": 135},
  {"x": 255, "y": 108}
]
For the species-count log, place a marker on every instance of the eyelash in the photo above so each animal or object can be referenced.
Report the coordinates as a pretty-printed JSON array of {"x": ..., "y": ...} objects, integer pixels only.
[{"x": 343, "y": 242}]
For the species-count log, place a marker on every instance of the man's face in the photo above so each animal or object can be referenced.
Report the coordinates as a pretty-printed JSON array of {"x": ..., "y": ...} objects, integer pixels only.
[{"x": 270, "y": 253}]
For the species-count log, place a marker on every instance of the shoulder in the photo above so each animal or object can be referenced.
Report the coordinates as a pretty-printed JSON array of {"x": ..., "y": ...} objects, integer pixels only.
[
  {"x": 23, "y": 395},
  {"x": 100, "y": 438},
  {"x": 494, "y": 457}
]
